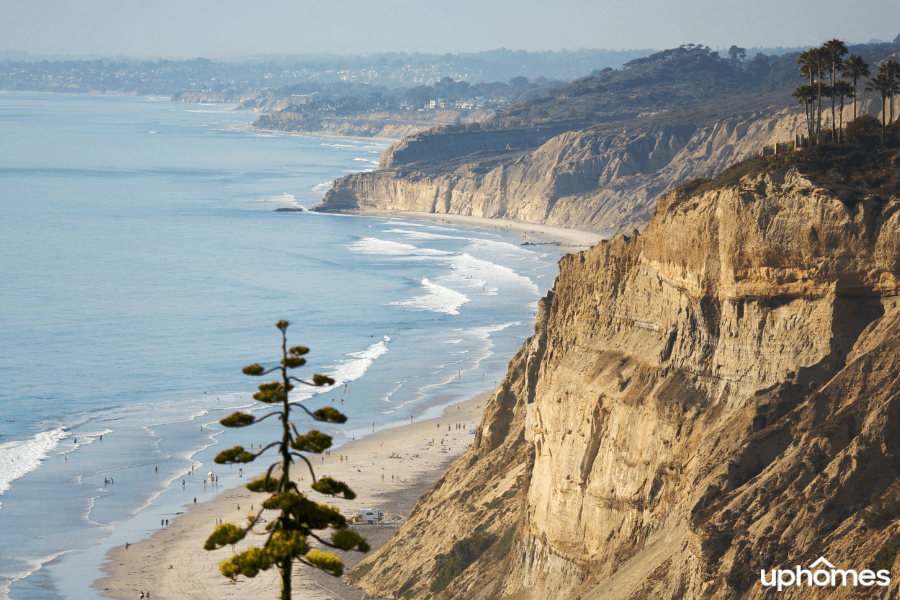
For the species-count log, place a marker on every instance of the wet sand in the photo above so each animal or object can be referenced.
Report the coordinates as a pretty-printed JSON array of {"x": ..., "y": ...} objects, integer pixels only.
[
  {"x": 173, "y": 564},
  {"x": 565, "y": 238}
]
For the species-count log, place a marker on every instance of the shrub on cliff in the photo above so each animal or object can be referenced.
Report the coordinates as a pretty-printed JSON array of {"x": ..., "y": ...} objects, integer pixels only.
[
  {"x": 863, "y": 131},
  {"x": 299, "y": 518},
  {"x": 464, "y": 553}
]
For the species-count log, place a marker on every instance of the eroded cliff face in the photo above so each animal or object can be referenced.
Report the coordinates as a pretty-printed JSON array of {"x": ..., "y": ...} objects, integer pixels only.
[
  {"x": 600, "y": 178},
  {"x": 605, "y": 178},
  {"x": 713, "y": 397}
]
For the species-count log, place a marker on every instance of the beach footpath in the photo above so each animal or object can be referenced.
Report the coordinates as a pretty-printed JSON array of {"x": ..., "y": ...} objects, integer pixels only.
[{"x": 389, "y": 470}]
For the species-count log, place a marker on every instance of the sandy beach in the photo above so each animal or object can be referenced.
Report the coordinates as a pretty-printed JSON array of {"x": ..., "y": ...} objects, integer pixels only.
[
  {"x": 565, "y": 238},
  {"x": 388, "y": 470}
]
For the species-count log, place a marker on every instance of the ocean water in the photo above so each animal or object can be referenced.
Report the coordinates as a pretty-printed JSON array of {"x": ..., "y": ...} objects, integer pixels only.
[{"x": 142, "y": 266}]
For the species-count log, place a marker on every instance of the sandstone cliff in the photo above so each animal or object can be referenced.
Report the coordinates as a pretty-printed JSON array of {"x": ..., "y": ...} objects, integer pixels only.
[
  {"x": 712, "y": 397},
  {"x": 606, "y": 177}
]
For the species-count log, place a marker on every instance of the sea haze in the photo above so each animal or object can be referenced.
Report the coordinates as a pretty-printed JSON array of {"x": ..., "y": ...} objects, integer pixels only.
[{"x": 144, "y": 265}]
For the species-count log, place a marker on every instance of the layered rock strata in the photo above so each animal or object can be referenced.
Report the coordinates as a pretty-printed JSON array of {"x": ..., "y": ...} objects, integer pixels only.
[
  {"x": 713, "y": 397},
  {"x": 605, "y": 177}
]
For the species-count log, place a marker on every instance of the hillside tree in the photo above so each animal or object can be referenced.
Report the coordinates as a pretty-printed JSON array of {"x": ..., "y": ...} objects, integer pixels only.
[
  {"x": 737, "y": 55},
  {"x": 855, "y": 67},
  {"x": 842, "y": 89},
  {"x": 833, "y": 52},
  {"x": 299, "y": 518},
  {"x": 881, "y": 84},
  {"x": 811, "y": 65}
]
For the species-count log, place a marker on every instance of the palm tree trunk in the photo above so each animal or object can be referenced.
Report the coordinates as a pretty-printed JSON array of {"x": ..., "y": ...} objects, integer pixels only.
[
  {"x": 833, "y": 121},
  {"x": 841, "y": 128},
  {"x": 883, "y": 115},
  {"x": 810, "y": 113},
  {"x": 854, "y": 98},
  {"x": 819, "y": 110}
]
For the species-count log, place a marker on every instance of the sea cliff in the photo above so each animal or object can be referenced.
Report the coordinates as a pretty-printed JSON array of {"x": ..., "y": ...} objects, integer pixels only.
[
  {"x": 605, "y": 177},
  {"x": 712, "y": 397}
]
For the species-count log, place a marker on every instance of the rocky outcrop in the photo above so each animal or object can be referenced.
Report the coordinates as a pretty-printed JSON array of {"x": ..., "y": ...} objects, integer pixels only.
[
  {"x": 713, "y": 397},
  {"x": 605, "y": 178}
]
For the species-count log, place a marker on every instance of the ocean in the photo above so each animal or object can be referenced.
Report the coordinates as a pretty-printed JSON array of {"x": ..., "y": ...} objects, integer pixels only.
[{"x": 143, "y": 265}]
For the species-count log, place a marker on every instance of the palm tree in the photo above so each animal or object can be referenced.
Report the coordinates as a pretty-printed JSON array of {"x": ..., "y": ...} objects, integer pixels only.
[
  {"x": 842, "y": 89},
  {"x": 811, "y": 64},
  {"x": 881, "y": 84},
  {"x": 891, "y": 69},
  {"x": 806, "y": 95},
  {"x": 855, "y": 67},
  {"x": 833, "y": 52}
]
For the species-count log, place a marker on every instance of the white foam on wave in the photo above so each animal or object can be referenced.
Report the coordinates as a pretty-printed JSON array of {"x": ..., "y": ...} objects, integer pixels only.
[
  {"x": 19, "y": 458},
  {"x": 438, "y": 299},
  {"x": 404, "y": 223},
  {"x": 387, "y": 397},
  {"x": 389, "y": 248},
  {"x": 322, "y": 186},
  {"x": 469, "y": 270},
  {"x": 424, "y": 235},
  {"x": 32, "y": 565},
  {"x": 354, "y": 368}
]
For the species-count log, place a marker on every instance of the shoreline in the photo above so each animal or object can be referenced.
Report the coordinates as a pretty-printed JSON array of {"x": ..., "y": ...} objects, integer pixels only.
[
  {"x": 172, "y": 563},
  {"x": 251, "y": 129},
  {"x": 565, "y": 238}
]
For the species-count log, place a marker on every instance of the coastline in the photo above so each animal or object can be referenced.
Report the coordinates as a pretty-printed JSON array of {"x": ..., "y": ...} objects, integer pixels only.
[
  {"x": 173, "y": 564},
  {"x": 251, "y": 129},
  {"x": 564, "y": 238}
]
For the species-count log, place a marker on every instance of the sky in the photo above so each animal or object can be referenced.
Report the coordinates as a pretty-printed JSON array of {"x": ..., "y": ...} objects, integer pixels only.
[{"x": 231, "y": 28}]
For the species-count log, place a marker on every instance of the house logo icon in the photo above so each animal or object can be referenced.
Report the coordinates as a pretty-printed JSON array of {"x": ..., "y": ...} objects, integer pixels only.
[{"x": 821, "y": 573}]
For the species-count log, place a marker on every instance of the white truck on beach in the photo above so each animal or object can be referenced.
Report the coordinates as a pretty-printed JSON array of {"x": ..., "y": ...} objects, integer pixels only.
[{"x": 369, "y": 515}]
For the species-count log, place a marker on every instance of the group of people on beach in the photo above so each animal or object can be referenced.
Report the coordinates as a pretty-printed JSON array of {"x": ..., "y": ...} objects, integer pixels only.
[{"x": 456, "y": 426}]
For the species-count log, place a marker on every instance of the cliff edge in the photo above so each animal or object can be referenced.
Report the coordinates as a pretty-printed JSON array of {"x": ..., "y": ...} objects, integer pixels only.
[{"x": 711, "y": 398}]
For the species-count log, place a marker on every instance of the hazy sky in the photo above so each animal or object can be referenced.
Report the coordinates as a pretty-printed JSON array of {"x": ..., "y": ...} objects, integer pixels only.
[{"x": 223, "y": 28}]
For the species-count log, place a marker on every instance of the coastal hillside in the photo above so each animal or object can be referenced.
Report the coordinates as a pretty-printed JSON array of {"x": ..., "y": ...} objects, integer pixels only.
[
  {"x": 599, "y": 151},
  {"x": 713, "y": 397}
]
